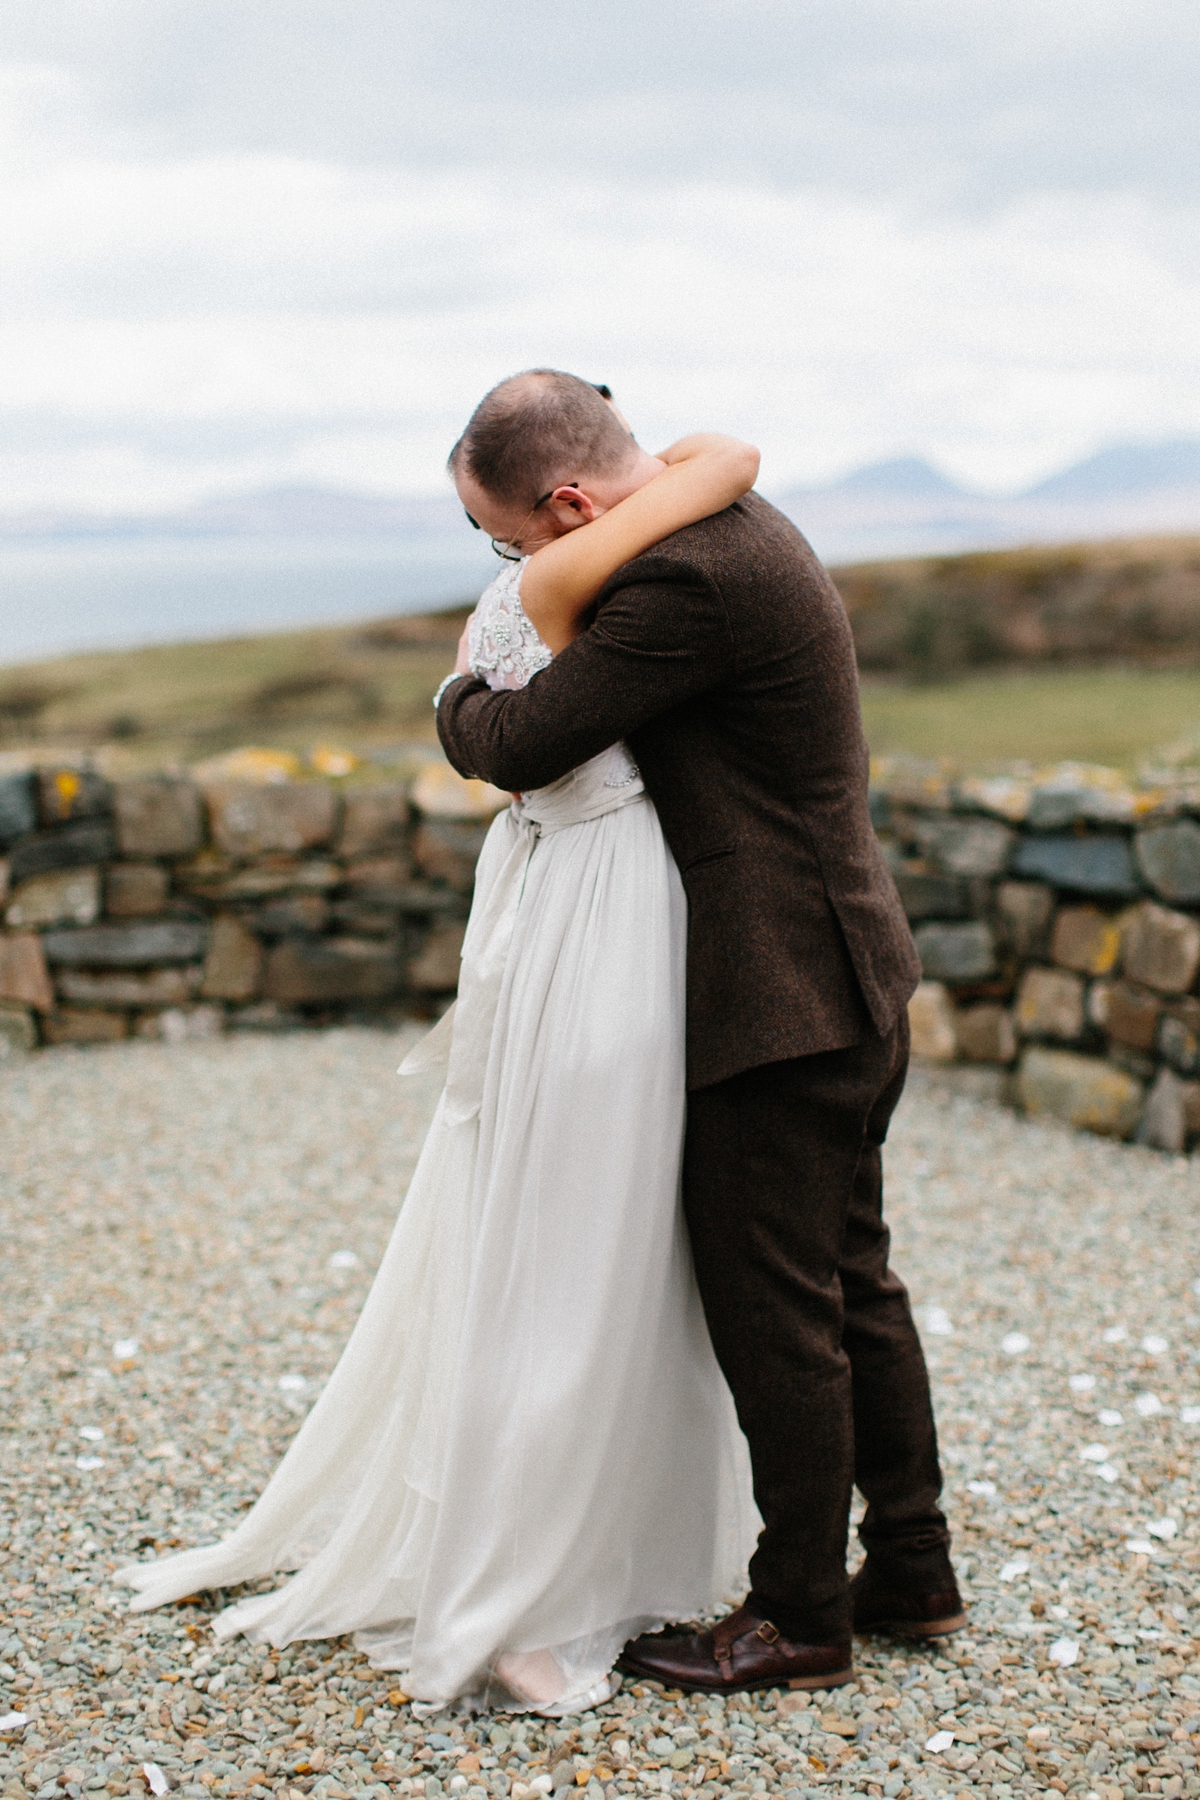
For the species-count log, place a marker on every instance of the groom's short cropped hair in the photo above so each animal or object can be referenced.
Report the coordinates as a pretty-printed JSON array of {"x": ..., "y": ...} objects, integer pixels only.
[{"x": 536, "y": 430}]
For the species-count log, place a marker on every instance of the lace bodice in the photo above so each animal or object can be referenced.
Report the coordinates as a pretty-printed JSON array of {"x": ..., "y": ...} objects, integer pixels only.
[{"x": 506, "y": 651}]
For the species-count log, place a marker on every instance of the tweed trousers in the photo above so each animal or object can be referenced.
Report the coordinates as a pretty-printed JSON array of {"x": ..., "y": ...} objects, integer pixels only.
[{"x": 783, "y": 1194}]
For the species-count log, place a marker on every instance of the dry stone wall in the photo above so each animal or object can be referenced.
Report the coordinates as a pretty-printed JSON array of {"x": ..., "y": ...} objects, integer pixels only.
[
  {"x": 1058, "y": 920},
  {"x": 1058, "y": 923},
  {"x": 163, "y": 907}
]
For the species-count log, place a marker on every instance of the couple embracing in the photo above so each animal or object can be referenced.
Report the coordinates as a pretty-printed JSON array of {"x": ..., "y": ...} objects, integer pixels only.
[{"x": 635, "y": 1325}]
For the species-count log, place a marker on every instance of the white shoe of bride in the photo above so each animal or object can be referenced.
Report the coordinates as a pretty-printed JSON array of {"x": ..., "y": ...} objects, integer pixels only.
[{"x": 536, "y": 1681}]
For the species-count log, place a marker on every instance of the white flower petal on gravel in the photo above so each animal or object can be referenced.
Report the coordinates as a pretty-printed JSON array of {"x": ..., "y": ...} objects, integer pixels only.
[
  {"x": 344, "y": 1259},
  {"x": 1163, "y": 1528},
  {"x": 1064, "y": 1651},
  {"x": 981, "y": 1487},
  {"x": 1146, "y": 1405},
  {"x": 1153, "y": 1344},
  {"x": 1189, "y": 1415},
  {"x": 292, "y": 1384},
  {"x": 1096, "y": 1453},
  {"x": 156, "y": 1780},
  {"x": 1108, "y": 1471},
  {"x": 89, "y": 1462},
  {"x": 1196, "y": 1287},
  {"x": 124, "y": 1348},
  {"x": 92, "y": 1433},
  {"x": 1010, "y": 1571},
  {"x": 1014, "y": 1344},
  {"x": 161, "y": 1453},
  {"x": 1139, "y": 1546},
  {"x": 941, "y": 1740},
  {"x": 1116, "y": 1334},
  {"x": 937, "y": 1321},
  {"x": 1082, "y": 1384},
  {"x": 1110, "y": 1416},
  {"x": 13, "y": 1721}
]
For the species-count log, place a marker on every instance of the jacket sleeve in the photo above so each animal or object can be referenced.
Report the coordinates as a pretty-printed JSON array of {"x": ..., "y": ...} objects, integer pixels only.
[{"x": 660, "y": 636}]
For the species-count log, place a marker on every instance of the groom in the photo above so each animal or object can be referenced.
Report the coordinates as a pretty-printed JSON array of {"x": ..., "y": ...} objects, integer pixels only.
[{"x": 723, "y": 657}]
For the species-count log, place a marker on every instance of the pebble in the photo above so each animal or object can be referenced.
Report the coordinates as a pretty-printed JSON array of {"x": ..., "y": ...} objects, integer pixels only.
[{"x": 177, "y": 1218}]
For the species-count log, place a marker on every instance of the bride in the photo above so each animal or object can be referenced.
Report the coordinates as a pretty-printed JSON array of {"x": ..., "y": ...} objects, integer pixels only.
[{"x": 527, "y": 1454}]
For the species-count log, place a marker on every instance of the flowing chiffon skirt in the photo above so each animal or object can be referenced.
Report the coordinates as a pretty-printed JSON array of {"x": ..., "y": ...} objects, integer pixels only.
[{"x": 527, "y": 1444}]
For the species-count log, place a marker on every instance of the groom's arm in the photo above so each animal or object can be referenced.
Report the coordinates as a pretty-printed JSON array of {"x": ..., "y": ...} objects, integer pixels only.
[{"x": 657, "y": 640}]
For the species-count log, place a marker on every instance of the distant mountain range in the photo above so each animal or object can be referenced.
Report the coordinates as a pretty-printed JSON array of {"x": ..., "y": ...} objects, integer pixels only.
[
  {"x": 900, "y": 507},
  {"x": 906, "y": 507}
]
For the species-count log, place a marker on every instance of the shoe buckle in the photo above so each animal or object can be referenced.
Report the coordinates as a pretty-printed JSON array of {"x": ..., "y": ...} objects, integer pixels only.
[{"x": 767, "y": 1632}]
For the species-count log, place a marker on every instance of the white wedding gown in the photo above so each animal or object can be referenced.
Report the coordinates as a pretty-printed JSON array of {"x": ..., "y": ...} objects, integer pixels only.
[{"x": 527, "y": 1445}]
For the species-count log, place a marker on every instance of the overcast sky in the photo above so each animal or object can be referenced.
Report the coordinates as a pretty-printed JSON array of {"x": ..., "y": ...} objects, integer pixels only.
[{"x": 247, "y": 244}]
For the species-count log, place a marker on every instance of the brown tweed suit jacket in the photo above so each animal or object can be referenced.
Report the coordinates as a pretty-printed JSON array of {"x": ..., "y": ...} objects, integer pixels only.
[{"x": 724, "y": 659}]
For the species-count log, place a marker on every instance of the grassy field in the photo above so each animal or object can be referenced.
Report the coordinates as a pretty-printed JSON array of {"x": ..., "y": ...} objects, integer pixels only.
[
  {"x": 365, "y": 687},
  {"x": 965, "y": 658},
  {"x": 1115, "y": 716}
]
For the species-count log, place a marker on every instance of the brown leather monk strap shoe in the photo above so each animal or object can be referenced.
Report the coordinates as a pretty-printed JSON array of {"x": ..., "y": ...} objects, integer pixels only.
[
  {"x": 922, "y": 1615},
  {"x": 740, "y": 1652}
]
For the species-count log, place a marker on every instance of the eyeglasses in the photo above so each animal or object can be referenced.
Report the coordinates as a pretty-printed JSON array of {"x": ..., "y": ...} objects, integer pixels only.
[{"x": 506, "y": 548}]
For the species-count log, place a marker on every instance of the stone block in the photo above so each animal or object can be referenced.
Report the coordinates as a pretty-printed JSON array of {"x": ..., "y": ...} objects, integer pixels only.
[
  {"x": 75, "y": 846},
  {"x": 233, "y": 966},
  {"x": 327, "y": 970},
  {"x": 931, "y": 896},
  {"x": 381, "y": 880},
  {"x": 84, "y": 1025},
  {"x": 248, "y": 819},
  {"x": 158, "y": 815},
  {"x": 435, "y": 969},
  {"x": 181, "y": 1025},
  {"x": 1179, "y": 1035},
  {"x": 1169, "y": 859},
  {"x": 1024, "y": 910},
  {"x": 129, "y": 946},
  {"x": 18, "y": 1034},
  {"x": 1082, "y": 1090},
  {"x": 210, "y": 880},
  {"x": 1068, "y": 800},
  {"x": 65, "y": 793},
  {"x": 135, "y": 890},
  {"x": 956, "y": 953},
  {"x": 1003, "y": 796},
  {"x": 363, "y": 917},
  {"x": 18, "y": 806},
  {"x": 67, "y": 897},
  {"x": 1131, "y": 1016},
  {"x": 1161, "y": 948},
  {"x": 1100, "y": 864},
  {"x": 986, "y": 1033},
  {"x": 931, "y": 1022},
  {"x": 966, "y": 846},
  {"x": 1170, "y": 1102},
  {"x": 1050, "y": 1005},
  {"x": 375, "y": 822},
  {"x": 129, "y": 987},
  {"x": 447, "y": 851},
  {"x": 291, "y": 915},
  {"x": 24, "y": 977},
  {"x": 439, "y": 792},
  {"x": 1086, "y": 940}
]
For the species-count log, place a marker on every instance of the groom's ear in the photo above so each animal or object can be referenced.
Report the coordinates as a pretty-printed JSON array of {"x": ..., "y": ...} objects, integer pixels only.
[{"x": 572, "y": 506}]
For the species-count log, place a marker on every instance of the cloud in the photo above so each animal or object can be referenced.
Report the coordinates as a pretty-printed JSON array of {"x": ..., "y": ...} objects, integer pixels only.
[
  {"x": 246, "y": 244},
  {"x": 927, "y": 100}
]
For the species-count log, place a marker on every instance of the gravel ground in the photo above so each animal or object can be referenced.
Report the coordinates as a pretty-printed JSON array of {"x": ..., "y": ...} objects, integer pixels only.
[{"x": 190, "y": 1231}]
